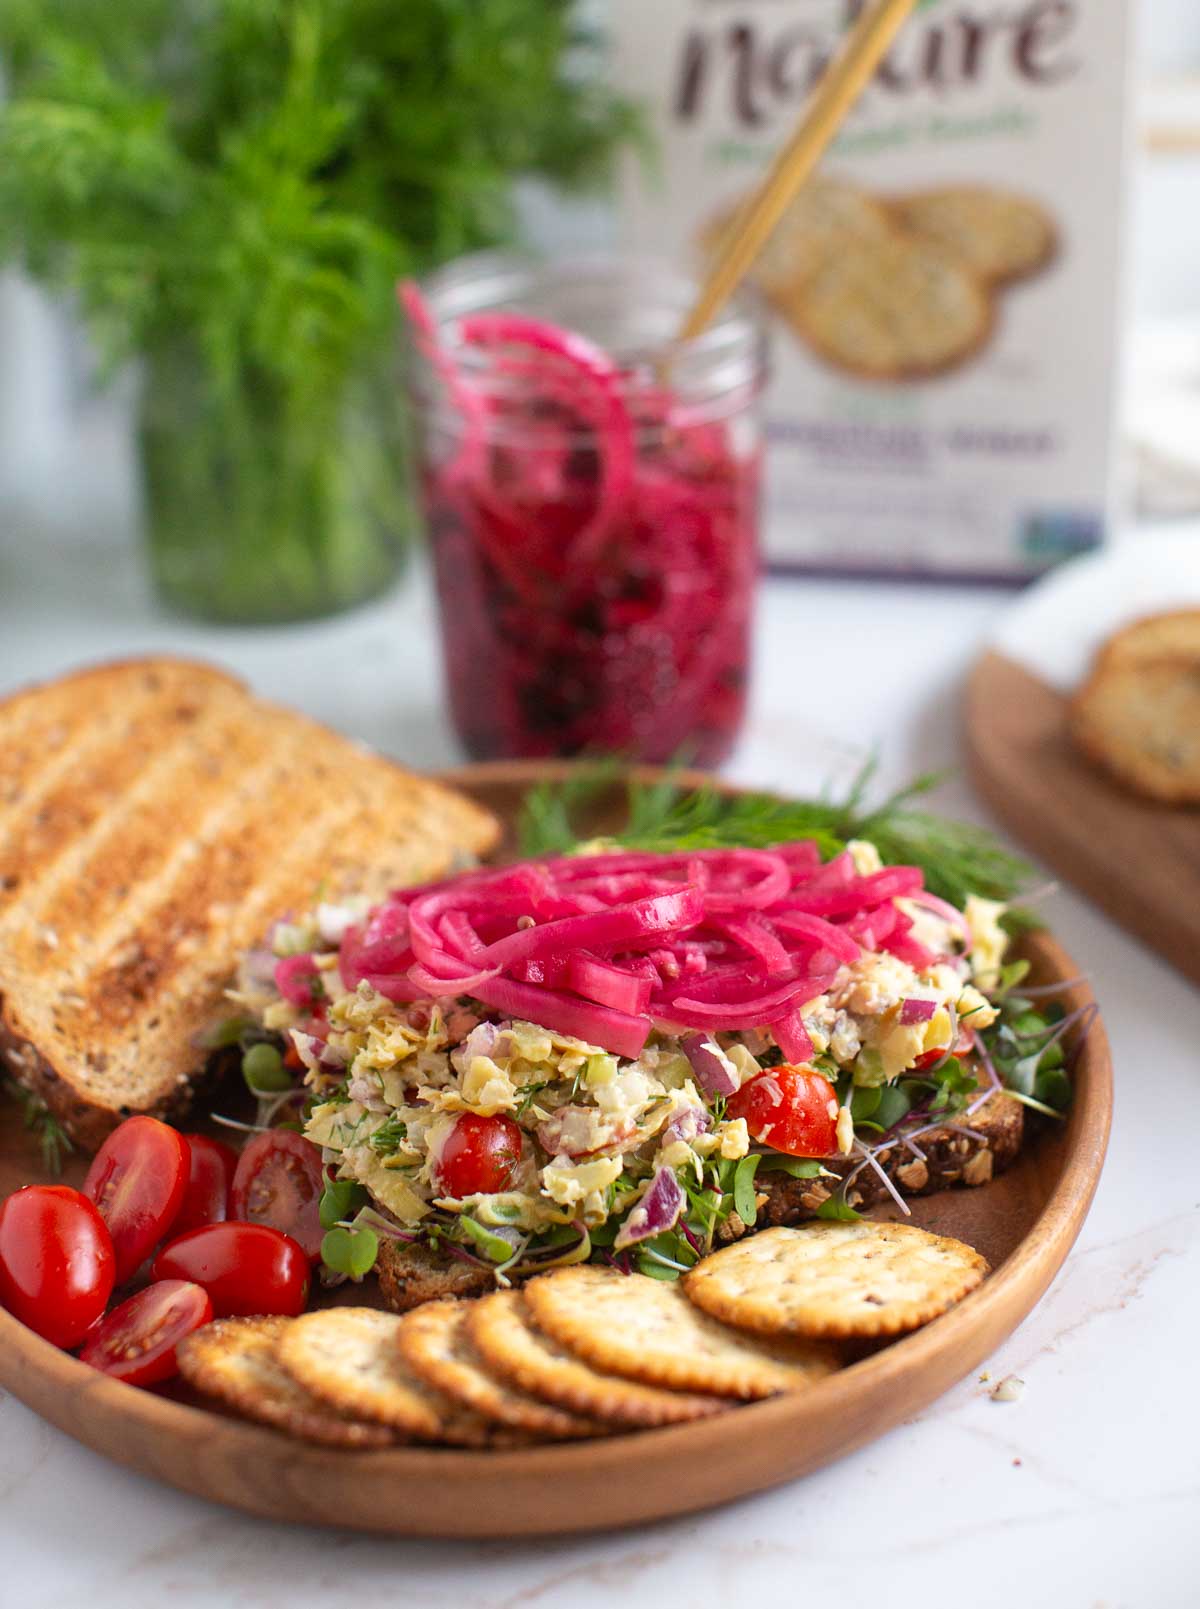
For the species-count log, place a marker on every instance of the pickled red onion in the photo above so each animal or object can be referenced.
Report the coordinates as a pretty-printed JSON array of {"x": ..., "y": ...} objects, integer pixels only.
[{"x": 600, "y": 947}]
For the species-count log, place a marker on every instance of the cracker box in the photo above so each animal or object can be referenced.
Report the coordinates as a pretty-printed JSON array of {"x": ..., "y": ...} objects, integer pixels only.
[{"x": 944, "y": 293}]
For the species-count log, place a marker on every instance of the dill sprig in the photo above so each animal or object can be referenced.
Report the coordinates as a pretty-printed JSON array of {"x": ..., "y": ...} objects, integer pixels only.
[
  {"x": 957, "y": 857},
  {"x": 52, "y": 1139}
]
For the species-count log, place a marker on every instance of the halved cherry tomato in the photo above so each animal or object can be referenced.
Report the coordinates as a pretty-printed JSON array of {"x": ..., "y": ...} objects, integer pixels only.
[
  {"x": 136, "y": 1342},
  {"x": 56, "y": 1262},
  {"x": 210, "y": 1179},
  {"x": 929, "y": 1058},
  {"x": 279, "y": 1181},
  {"x": 137, "y": 1180},
  {"x": 789, "y": 1109},
  {"x": 245, "y": 1268},
  {"x": 480, "y": 1156}
]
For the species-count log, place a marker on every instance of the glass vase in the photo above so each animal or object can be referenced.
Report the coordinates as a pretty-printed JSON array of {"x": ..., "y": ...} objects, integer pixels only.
[{"x": 257, "y": 512}]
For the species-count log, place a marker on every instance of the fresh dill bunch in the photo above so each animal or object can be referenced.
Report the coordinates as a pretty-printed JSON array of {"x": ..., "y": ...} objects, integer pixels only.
[
  {"x": 249, "y": 177},
  {"x": 52, "y": 1139},
  {"x": 957, "y": 857}
]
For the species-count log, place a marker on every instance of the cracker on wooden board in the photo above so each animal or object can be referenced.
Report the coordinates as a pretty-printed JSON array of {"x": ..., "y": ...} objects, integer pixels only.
[
  {"x": 1140, "y": 721},
  {"x": 1000, "y": 235},
  {"x": 236, "y": 1361},
  {"x": 896, "y": 308},
  {"x": 435, "y": 1342},
  {"x": 647, "y": 1330},
  {"x": 1172, "y": 634},
  {"x": 513, "y": 1347},
  {"x": 350, "y": 1357},
  {"x": 835, "y": 1281}
]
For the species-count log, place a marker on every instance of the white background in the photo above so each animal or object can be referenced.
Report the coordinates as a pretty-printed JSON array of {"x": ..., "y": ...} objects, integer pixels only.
[{"x": 1084, "y": 1494}]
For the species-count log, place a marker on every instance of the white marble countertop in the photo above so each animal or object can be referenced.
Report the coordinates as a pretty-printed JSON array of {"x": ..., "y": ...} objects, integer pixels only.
[{"x": 1083, "y": 1493}]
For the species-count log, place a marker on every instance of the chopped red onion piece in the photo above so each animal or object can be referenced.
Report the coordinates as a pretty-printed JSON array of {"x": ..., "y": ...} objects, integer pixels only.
[
  {"x": 715, "y": 1073},
  {"x": 913, "y": 1010},
  {"x": 658, "y": 1210},
  {"x": 296, "y": 977}
]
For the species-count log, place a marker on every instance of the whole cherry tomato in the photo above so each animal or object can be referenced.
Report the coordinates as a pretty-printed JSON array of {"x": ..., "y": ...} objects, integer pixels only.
[
  {"x": 245, "y": 1268},
  {"x": 790, "y": 1109},
  {"x": 57, "y": 1266},
  {"x": 210, "y": 1179},
  {"x": 137, "y": 1180},
  {"x": 136, "y": 1342},
  {"x": 479, "y": 1157},
  {"x": 279, "y": 1181}
]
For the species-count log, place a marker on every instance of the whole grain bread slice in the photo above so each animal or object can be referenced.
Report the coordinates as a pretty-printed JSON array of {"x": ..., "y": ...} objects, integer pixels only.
[{"x": 155, "y": 818}]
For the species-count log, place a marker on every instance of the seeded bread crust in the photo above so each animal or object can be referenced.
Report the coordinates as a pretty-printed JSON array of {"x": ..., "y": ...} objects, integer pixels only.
[
  {"x": 950, "y": 1159},
  {"x": 412, "y": 1275}
]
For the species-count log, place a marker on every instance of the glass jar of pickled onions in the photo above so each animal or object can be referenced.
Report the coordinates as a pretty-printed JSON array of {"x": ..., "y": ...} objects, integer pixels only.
[{"x": 591, "y": 496}]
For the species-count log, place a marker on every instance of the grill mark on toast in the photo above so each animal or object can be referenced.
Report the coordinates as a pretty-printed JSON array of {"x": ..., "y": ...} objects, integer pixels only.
[
  {"x": 200, "y": 902},
  {"x": 71, "y": 795},
  {"x": 174, "y": 981},
  {"x": 75, "y": 911}
]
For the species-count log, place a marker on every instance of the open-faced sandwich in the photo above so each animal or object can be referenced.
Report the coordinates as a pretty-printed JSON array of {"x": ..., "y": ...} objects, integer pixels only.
[{"x": 633, "y": 1058}]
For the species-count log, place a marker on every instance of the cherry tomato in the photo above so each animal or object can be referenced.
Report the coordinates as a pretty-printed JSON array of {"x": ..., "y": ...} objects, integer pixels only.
[
  {"x": 57, "y": 1266},
  {"x": 790, "y": 1110},
  {"x": 279, "y": 1181},
  {"x": 137, "y": 1180},
  {"x": 479, "y": 1157},
  {"x": 210, "y": 1178},
  {"x": 929, "y": 1058},
  {"x": 136, "y": 1342},
  {"x": 245, "y": 1268}
]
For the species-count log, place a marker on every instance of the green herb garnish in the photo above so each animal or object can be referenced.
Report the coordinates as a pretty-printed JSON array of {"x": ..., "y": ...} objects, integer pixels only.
[
  {"x": 52, "y": 1139},
  {"x": 957, "y": 857},
  {"x": 389, "y": 1137},
  {"x": 339, "y": 1201},
  {"x": 351, "y": 1252}
]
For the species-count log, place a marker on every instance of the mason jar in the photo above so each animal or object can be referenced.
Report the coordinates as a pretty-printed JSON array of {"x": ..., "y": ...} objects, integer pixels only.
[{"x": 591, "y": 497}]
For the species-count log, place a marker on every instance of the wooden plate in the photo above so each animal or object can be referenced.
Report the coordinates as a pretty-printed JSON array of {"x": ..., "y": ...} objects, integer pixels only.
[{"x": 1024, "y": 1223}]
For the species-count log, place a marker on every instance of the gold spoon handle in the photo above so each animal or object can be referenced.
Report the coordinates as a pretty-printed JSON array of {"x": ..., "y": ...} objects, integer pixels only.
[{"x": 840, "y": 86}]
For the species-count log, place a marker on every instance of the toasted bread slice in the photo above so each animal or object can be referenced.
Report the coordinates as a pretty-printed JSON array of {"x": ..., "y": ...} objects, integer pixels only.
[
  {"x": 1140, "y": 720},
  {"x": 155, "y": 818},
  {"x": 409, "y": 1276}
]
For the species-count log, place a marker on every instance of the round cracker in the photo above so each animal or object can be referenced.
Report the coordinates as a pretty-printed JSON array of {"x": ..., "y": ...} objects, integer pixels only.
[
  {"x": 891, "y": 309},
  {"x": 510, "y": 1343},
  {"x": 1173, "y": 634},
  {"x": 435, "y": 1342},
  {"x": 236, "y": 1361},
  {"x": 999, "y": 235},
  {"x": 1140, "y": 720},
  {"x": 350, "y": 1358},
  {"x": 826, "y": 215},
  {"x": 647, "y": 1330},
  {"x": 835, "y": 1280}
]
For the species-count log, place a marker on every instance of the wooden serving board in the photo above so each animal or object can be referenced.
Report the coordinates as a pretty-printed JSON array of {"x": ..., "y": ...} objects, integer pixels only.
[
  {"x": 1140, "y": 861},
  {"x": 1024, "y": 1223}
]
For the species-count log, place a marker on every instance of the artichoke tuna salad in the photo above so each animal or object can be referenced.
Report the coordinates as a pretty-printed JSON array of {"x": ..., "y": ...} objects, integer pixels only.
[{"x": 606, "y": 1055}]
